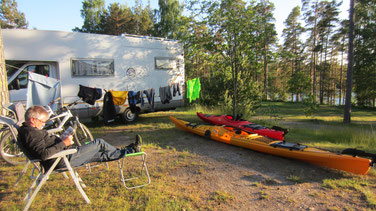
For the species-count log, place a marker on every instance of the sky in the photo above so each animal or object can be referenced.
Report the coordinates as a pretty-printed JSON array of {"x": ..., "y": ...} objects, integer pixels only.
[{"x": 64, "y": 15}]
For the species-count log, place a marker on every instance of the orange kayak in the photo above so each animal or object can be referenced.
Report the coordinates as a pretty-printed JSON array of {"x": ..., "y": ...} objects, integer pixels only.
[{"x": 235, "y": 136}]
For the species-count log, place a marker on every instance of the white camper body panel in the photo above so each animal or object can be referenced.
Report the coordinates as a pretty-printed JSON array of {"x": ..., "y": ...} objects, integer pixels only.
[{"x": 134, "y": 59}]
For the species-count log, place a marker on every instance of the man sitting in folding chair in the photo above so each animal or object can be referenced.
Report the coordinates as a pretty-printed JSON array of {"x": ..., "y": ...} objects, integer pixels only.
[{"x": 42, "y": 145}]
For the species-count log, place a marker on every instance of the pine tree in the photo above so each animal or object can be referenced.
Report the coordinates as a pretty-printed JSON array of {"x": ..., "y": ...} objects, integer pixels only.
[
  {"x": 328, "y": 20},
  {"x": 267, "y": 37},
  {"x": 364, "y": 55},
  {"x": 118, "y": 19},
  {"x": 347, "y": 109},
  {"x": 292, "y": 46},
  {"x": 10, "y": 16},
  {"x": 311, "y": 14}
]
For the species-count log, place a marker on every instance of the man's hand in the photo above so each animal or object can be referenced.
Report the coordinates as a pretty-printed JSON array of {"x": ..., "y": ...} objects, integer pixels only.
[{"x": 68, "y": 140}]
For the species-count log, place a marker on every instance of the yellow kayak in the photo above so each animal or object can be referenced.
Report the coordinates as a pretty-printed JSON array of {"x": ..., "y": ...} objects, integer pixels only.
[{"x": 238, "y": 137}]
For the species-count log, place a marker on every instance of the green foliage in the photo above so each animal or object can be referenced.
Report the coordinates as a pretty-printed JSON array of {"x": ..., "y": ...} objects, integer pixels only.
[
  {"x": 217, "y": 92},
  {"x": 238, "y": 38},
  {"x": 115, "y": 20},
  {"x": 223, "y": 49},
  {"x": 248, "y": 98},
  {"x": 364, "y": 55},
  {"x": 292, "y": 51},
  {"x": 299, "y": 83},
  {"x": 213, "y": 91},
  {"x": 276, "y": 87},
  {"x": 91, "y": 12},
  {"x": 10, "y": 16},
  {"x": 168, "y": 19},
  {"x": 310, "y": 106}
]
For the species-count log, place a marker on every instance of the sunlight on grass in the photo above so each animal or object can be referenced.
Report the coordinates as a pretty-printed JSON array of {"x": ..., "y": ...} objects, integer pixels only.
[
  {"x": 294, "y": 112},
  {"x": 105, "y": 189},
  {"x": 329, "y": 136},
  {"x": 166, "y": 192},
  {"x": 222, "y": 196},
  {"x": 203, "y": 109},
  {"x": 165, "y": 125},
  {"x": 359, "y": 185}
]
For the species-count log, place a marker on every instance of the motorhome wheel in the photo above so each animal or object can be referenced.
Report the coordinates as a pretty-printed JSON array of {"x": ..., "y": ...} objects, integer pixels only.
[{"x": 129, "y": 116}]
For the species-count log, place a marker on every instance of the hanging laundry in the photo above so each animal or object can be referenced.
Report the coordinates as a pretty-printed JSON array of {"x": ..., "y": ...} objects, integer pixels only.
[
  {"x": 89, "y": 95},
  {"x": 165, "y": 94},
  {"x": 150, "y": 93},
  {"x": 119, "y": 97},
  {"x": 137, "y": 97},
  {"x": 196, "y": 89},
  {"x": 176, "y": 89},
  {"x": 193, "y": 89},
  {"x": 109, "y": 111},
  {"x": 133, "y": 99}
]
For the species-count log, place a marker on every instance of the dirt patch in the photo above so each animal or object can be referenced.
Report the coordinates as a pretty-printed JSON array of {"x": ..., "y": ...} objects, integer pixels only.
[{"x": 223, "y": 177}]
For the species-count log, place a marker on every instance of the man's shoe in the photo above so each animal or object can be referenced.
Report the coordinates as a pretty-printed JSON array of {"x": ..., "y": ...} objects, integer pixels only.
[
  {"x": 136, "y": 146},
  {"x": 138, "y": 143},
  {"x": 130, "y": 146}
]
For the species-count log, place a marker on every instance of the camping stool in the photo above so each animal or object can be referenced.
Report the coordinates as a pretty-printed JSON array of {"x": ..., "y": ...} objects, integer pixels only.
[{"x": 144, "y": 169}]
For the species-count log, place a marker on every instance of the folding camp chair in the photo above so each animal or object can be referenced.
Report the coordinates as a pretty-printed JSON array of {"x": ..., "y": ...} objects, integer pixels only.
[
  {"x": 143, "y": 170},
  {"x": 43, "y": 175},
  {"x": 16, "y": 111},
  {"x": 16, "y": 114}
]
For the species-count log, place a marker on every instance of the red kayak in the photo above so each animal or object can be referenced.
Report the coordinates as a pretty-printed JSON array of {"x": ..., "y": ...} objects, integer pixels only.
[{"x": 274, "y": 132}]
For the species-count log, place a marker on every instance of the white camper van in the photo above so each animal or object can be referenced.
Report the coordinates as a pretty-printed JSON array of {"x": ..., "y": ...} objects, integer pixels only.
[{"x": 120, "y": 63}]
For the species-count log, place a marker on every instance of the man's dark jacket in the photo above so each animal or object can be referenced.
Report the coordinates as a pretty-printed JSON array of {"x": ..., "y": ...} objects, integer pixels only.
[{"x": 40, "y": 144}]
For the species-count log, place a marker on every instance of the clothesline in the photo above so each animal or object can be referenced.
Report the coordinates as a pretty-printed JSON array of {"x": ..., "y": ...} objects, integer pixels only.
[{"x": 114, "y": 98}]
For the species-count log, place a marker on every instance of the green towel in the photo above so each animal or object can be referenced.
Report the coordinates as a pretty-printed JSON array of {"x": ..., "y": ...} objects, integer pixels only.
[{"x": 193, "y": 89}]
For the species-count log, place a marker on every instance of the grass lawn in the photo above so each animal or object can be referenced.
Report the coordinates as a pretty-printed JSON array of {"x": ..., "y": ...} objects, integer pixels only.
[
  {"x": 325, "y": 129},
  {"x": 184, "y": 178}
]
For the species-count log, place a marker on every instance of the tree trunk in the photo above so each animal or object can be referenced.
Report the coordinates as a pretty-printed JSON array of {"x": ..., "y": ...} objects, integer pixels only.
[
  {"x": 340, "y": 78},
  {"x": 234, "y": 77},
  {"x": 4, "y": 94},
  {"x": 321, "y": 72},
  {"x": 314, "y": 55},
  {"x": 265, "y": 76},
  {"x": 332, "y": 74},
  {"x": 350, "y": 66}
]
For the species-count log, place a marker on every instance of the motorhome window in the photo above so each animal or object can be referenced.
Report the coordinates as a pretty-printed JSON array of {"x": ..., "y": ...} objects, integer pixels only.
[
  {"x": 12, "y": 68},
  {"x": 92, "y": 67},
  {"x": 39, "y": 69},
  {"x": 165, "y": 63}
]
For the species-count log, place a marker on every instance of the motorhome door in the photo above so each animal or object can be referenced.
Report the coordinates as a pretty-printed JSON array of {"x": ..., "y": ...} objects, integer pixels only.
[{"x": 18, "y": 78}]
